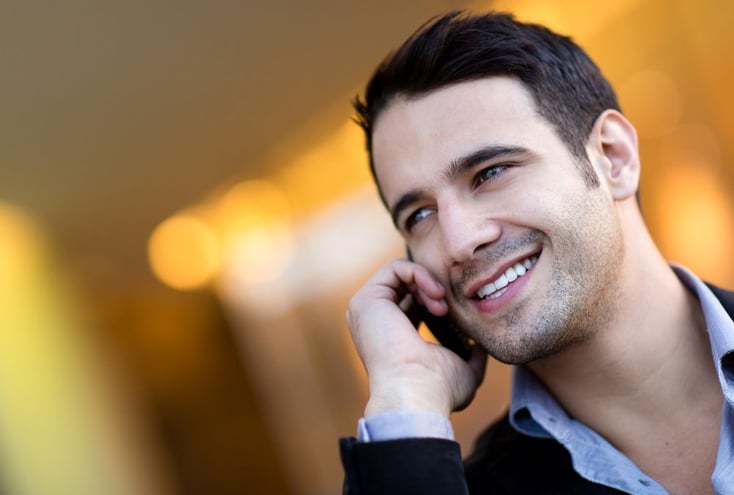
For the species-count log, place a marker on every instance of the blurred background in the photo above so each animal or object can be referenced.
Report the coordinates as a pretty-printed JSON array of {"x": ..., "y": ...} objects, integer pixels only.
[{"x": 186, "y": 208}]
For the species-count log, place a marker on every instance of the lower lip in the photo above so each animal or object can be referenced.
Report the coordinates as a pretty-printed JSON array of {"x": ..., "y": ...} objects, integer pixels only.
[{"x": 493, "y": 305}]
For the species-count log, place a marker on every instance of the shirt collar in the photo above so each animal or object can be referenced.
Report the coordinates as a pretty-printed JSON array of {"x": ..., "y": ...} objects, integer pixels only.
[
  {"x": 532, "y": 405},
  {"x": 720, "y": 329},
  {"x": 529, "y": 398}
]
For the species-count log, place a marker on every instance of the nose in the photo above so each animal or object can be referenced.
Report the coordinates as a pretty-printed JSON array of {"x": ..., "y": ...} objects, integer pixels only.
[{"x": 466, "y": 228}]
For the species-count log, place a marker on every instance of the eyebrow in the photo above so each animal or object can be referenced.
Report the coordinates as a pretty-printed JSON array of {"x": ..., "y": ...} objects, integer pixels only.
[
  {"x": 455, "y": 169},
  {"x": 465, "y": 163}
]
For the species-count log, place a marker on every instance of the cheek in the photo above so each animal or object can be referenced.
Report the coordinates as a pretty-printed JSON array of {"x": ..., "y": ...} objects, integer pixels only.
[
  {"x": 424, "y": 251},
  {"x": 539, "y": 210},
  {"x": 587, "y": 224},
  {"x": 554, "y": 204},
  {"x": 429, "y": 257}
]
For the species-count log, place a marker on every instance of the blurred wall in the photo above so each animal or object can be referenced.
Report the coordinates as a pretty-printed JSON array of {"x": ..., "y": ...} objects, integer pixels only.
[{"x": 209, "y": 354}]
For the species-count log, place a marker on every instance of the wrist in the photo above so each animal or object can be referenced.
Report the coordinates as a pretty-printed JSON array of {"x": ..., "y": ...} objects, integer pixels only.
[
  {"x": 404, "y": 424},
  {"x": 407, "y": 397}
]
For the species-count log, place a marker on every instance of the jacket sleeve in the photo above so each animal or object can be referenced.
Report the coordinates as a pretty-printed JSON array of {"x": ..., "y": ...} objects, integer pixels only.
[{"x": 429, "y": 466}]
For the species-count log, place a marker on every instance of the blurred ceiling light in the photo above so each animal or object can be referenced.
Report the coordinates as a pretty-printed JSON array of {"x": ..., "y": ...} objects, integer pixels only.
[
  {"x": 652, "y": 102},
  {"x": 339, "y": 244},
  {"x": 261, "y": 254},
  {"x": 21, "y": 246},
  {"x": 344, "y": 241},
  {"x": 332, "y": 167},
  {"x": 255, "y": 229},
  {"x": 184, "y": 252},
  {"x": 253, "y": 221},
  {"x": 250, "y": 203}
]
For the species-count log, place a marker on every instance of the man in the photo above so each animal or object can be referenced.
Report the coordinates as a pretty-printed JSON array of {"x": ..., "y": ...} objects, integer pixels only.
[{"x": 500, "y": 151}]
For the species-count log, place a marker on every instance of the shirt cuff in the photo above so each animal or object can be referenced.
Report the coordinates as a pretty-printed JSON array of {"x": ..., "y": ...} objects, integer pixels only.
[{"x": 394, "y": 425}]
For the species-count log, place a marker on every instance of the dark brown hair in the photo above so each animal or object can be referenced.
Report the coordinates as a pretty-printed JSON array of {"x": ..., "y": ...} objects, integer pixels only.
[{"x": 568, "y": 88}]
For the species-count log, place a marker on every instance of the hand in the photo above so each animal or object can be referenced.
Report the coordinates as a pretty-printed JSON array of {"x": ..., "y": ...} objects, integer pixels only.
[{"x": 405, "y": 371}]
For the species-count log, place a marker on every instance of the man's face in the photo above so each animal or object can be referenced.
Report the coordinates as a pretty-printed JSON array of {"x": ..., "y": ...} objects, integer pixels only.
[{"x": 491, "y": 201}]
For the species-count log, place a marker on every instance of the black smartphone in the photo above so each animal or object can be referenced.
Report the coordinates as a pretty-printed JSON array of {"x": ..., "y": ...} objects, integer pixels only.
[{"x": 445, "y": 331}]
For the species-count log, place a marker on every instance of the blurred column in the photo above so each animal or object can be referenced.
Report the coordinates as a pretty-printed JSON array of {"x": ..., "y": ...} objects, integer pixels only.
[
  {"x": 63, "y": 425},
  {"x": 294, "y": 341}
]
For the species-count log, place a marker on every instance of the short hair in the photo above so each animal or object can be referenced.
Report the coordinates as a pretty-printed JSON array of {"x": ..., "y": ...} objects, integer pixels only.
[{"x": 569, "y": 90}]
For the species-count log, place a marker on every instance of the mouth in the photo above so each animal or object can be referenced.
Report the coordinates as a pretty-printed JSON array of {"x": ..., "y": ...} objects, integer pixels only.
[{"x": 500, "y": 285}]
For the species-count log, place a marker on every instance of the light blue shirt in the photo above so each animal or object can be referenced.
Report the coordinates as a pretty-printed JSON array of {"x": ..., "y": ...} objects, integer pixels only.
[{"x": 535, "y": 412}]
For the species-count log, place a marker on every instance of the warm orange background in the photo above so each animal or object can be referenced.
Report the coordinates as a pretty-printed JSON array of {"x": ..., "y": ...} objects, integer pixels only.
[{"x": 185, "y": 210}]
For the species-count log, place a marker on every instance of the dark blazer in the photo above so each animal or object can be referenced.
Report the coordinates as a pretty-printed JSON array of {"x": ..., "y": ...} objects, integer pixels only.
[{"x": 504, "y": 461}]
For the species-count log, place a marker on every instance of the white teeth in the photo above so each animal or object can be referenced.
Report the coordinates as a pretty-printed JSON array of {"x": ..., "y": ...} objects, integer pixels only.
[
  {"x": 520, "y": 269},
  {"x": 511, "y": 274},
  {"x": 497, "y": 294},
  {"x": 487, "y": 289}
]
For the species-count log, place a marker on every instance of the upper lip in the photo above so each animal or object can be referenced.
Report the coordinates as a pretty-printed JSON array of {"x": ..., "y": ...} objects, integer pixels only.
[{"x": 471, "y": 291}]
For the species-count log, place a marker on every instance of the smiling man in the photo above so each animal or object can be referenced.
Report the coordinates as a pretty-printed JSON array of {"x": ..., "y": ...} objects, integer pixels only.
[{"x": 502, "y": 155}]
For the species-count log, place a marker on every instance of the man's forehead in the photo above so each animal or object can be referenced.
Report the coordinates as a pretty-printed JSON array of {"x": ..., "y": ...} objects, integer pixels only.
[
  {"x": 448, "y": 122},
  {"x": 498, "y": 91},
  {"x": 451, "y": 111}
]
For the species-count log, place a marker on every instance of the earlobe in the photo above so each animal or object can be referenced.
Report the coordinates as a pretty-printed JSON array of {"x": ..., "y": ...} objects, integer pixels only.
[{"x": 613, "y": 150}]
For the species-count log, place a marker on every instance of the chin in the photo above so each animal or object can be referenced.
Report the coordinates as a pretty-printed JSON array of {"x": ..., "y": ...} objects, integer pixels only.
[{"x": 528, "y": 348}]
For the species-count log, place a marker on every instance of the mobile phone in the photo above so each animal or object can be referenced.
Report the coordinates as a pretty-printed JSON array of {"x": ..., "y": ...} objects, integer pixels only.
[
  {"x": 445, "y": 330},
  {"x": 447, "y": 333}
]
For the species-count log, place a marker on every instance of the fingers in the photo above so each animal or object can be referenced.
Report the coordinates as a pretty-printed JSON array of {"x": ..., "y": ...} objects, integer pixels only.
[
  {"x": 383, "y": 315},
  {"x": 383, "y": 302},
  {"x": 401, "y": 277},
  {"x": 405, "y": 371},
  {"x": 403, "y": 272}
]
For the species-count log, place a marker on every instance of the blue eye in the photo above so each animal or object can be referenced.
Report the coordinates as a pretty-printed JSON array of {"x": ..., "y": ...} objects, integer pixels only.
[
  {"x": 415, "y": 217},
  {"x": 488, "y": 173}
]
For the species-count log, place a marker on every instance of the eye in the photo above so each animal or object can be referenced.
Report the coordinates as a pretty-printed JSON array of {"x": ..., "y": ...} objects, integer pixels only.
[
  {"x": 489, "y": 173},
  {"x": 417, "y": 216}
]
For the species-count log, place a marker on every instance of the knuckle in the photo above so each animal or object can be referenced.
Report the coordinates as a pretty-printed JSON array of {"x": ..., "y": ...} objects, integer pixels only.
[{"x": 352, "y": 316}]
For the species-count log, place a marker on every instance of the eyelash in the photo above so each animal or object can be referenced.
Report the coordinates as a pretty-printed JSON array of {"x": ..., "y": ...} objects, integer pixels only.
[
  {"x": 494, "y": 171},
  {"x": 484, "y": 175},
  {"x": 412, "y": 220}
]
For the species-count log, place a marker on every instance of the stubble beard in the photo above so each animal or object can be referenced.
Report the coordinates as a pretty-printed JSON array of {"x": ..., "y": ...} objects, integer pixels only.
[
  {"x": 574, "y": 310},
  {"x": 581, "y": 299}
]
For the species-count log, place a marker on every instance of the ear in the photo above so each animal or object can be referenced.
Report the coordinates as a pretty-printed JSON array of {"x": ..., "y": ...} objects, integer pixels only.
[{"x": 612, "y": 149}]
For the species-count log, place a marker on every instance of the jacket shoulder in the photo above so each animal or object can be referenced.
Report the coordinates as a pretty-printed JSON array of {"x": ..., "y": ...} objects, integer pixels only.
[{"x": 510, "y": 462}]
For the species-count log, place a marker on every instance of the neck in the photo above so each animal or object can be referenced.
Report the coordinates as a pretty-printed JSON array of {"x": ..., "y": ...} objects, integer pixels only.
[
  {"x": 659, "y": 341},
  {"x": 653, "y": 358}
]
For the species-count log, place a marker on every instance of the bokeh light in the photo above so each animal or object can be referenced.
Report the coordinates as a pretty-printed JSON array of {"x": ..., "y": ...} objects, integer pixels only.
[
  {"x": 254, "y": 223},
  {"x": 184, "y": 252},
  {"x": 20, "y": 246}
]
